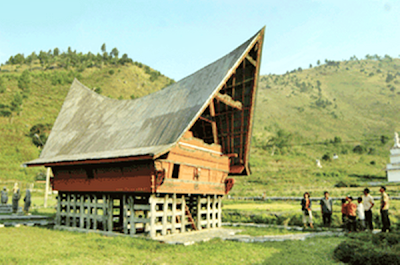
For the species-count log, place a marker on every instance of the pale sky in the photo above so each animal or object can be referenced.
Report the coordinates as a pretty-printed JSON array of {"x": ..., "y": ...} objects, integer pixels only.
[{"x": 178, "y": 38}]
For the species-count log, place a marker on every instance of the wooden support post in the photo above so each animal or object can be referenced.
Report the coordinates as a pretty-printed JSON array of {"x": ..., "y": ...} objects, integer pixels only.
[
  {"x": 183, "y": 219},
  {"x": 68, "y": 212},
  {"x": 121, "y": 213},
  {"x": 81, "y": 210},
  {"x": 198, "y": 213},
  {"x": 110, "y": 213},
  {"x": 74, "y": 211},
  {"x": 214, "y": 211},
  {"x": 58, "y": 214},
  {"x": 219, "y": 211},
  {"x": 125, "y": 214},
  {"x": 95, "y": 212},
  {"x": 46, "y": 190},
  {"x": 208, "y": 211},
  {"x": 165, "y": 215},
  {"x": 131, "y": 203},
  {"x": 173, "y": 220},
  {"x": 88, "y": 215},
  {"x": 105, "y": 212},
  {"x": 152, "y": 215}
]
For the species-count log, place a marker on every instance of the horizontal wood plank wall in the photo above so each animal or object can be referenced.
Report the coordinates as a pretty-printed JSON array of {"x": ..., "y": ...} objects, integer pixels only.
[{"x": 133, "y": 177}]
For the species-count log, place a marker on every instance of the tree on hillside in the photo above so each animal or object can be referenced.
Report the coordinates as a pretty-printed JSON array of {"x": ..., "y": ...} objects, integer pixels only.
[
  {"x": 29, "y": 59},
  {"x": 310, "y": 65},
  {"x": 103, "y": 48},
  {"x": 43, "y": 57},
  {"x": 389, "y": 78},
  {"x": 24, "y": 81},
  {"x": 318, "y": 62},
  {"x": 377, "y": 57},
  {"x": 2, "y": 85},
  {"x": 281, "y": 140},
  {"x": 387, "y": 57},
  {"x": 114, "y": 53},
  {"x": 125, "y": 59},
  {"x": 16, "y": 103},
  {"x": 56, "y": 51}
]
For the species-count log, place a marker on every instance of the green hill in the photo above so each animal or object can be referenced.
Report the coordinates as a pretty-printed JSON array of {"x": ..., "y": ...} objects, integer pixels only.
[
  {"x": 348, "y": 108},
  {"x": 32, "y": 92}
]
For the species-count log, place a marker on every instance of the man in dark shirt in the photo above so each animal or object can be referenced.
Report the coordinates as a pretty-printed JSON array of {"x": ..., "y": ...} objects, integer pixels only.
[{"x": 326, "y": 209}]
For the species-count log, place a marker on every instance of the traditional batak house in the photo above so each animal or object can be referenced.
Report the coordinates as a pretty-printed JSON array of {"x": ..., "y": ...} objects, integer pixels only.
[{"x": 157, "y": 164}]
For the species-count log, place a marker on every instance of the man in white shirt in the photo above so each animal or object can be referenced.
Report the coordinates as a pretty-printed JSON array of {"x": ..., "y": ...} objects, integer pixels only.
[
  {"x": 368, "y": 203},
  {"x": 361, "y": 213}
]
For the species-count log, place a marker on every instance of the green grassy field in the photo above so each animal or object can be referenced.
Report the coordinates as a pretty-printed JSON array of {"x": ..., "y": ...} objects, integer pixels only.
[{"x": 42, "y": 246}]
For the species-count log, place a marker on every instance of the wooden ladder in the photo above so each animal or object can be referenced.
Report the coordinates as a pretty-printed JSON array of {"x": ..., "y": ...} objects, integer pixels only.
[{"x": 189, "y": 216}]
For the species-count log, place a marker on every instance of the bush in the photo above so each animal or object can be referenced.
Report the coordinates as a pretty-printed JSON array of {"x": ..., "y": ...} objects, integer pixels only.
[
  {"x": 358, "y": 149},
  {"x": 98, "y": 90},
  {"x": 369, "y": 249},
  {"x": 2, "y": 85},
  {"x": 341, "y": 184},
  {"x": 24, "y": 81},
  {"x": 39, "y": 133},
  {"x": 327, "y": 157}
]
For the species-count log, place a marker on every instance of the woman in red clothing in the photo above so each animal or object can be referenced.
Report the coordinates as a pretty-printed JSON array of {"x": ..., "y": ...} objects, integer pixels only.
[
  {"x": 306, "y": 208},
  {"x": 351, "y": 214},
  {"x": 344, "y": 212}
]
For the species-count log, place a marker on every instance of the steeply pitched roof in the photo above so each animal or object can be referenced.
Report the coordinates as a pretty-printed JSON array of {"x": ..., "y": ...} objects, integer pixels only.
[{"x": 90, "y": 126}]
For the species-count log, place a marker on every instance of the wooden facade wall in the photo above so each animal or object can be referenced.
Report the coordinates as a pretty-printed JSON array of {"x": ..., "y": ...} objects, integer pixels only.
[
  {"x": 202, "y": 170},
  {"x": 118, "y": 177}
]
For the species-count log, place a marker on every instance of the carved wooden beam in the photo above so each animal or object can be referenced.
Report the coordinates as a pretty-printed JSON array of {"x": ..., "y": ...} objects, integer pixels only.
[
  {"x": 251, "y": 60},
  {"x": 205, "y": 119},
  {"x": 226, "y": 99},
  {"x": 213, "y": 124}
]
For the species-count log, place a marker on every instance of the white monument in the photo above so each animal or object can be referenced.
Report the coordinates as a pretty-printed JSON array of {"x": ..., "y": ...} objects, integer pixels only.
[{"x": 393, "y": 169}]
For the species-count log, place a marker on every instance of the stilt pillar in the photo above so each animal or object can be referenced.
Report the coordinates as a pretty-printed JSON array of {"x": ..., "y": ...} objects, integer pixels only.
[
  {"x": 152, "y": 202},
  {"x": 173, "y": 220}
]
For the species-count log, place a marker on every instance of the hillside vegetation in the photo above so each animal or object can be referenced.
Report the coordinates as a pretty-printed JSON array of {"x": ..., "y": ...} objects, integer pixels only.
[
  {"x": 348, "y": 108},
  {"x": 33, "y": 90}
]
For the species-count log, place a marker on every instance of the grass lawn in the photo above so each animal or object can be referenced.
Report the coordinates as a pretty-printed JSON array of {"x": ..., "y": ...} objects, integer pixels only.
[{"x": 32, "y": 245}]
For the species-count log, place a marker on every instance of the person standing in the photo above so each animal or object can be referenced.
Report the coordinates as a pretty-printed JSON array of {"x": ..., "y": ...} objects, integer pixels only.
[
  {"x": 344, "y": 213},
  {"x": 368, "y": 203},
  {"x": 361, "y": 213},
  {"x": 4, "y": 196},
  {"x": 385, "y": 210},
  {"x": 15, "y": 198},
  {"x": 27, "y": 201},
  {"x": 306, "y": 208},
  {"x": 351, "y": 214},
  {"x": 326, "y": 209}
]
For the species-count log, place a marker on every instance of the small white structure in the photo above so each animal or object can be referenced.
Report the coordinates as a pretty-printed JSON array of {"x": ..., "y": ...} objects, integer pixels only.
[
  {"x": 318, "y": 163},
  {"x": 393, "y": 169}
]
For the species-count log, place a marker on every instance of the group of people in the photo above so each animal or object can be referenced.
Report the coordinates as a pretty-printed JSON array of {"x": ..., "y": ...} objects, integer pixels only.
[
  {"x": 16, "y": 197},
  {"x": 351, "y": 212}
]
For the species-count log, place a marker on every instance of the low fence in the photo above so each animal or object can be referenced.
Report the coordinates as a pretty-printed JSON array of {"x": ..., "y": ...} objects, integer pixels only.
[{"x": 276, "y": 198}]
